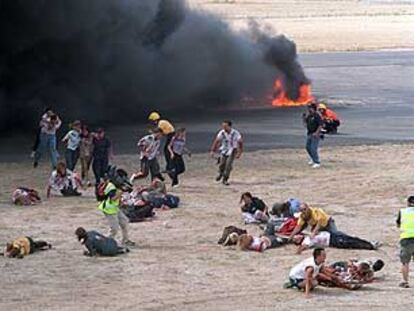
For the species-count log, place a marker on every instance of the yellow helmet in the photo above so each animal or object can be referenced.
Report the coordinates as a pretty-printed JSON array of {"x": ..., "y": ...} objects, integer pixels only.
[
  {"x": 322, "y": 106},
  {"x": 154, "y": 116}
]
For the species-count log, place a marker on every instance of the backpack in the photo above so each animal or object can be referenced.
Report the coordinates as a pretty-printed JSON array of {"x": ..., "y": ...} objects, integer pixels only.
[{"x": 100, "y": 191}]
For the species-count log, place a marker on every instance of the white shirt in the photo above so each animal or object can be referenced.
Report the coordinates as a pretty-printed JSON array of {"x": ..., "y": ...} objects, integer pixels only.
[
  {"x": 321, "y": 239},
  {"x": 149, "y": 147},
  {"x": 73, "y": 139},
  {"x": 58, "y": 183},
  {"x": 48, "y": 127},
  {"x": 229, "y": 141},
  {"x": 298, "y": 272}
]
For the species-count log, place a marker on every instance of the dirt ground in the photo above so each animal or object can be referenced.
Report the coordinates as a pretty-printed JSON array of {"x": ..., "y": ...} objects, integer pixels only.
[
  {"x": 178, "y": 265},
  {"x": 325, "y": 25}
]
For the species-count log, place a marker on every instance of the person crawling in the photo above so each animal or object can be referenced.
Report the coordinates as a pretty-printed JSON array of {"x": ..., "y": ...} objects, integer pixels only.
[
  {"x": 24, "y": 246},
  {"x": 99, "y": 245},
  {"x": 64, "y": 181},
  {"x": 253, "y": 209},
  {"x": 355, "y": 271}
]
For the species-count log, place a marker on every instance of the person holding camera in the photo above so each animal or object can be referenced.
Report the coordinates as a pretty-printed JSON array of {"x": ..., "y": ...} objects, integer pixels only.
[
  {"x": 110, "y": 206},
  {"x": 49, "y": 124}
]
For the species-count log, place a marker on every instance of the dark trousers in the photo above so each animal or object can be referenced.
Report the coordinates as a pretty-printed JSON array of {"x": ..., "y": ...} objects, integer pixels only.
[
  {"x": 150, "y": 167},
  {"x": 71, "y": 158},
  {"x": 37, "y": 139},
  {"x": 226, "y": 165},
  {"x": 37, "y": 245},
  {"x": 99, "y": 167},
  {"x": 341, "y": 240},
  {"x": 331, "y": 126},
  {"x": 177, "y": 168},
  {"x": 270, "y": 234},
  {"x": 167, "y": 155}
]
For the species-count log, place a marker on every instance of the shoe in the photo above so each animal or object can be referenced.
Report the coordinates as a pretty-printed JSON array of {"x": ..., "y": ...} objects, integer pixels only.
[
  {"x": 129, "y": 243},
  {"x": 404, "y": 285},
  {"x": 32, "y": 154},
  {"x": 225, "y": 182},
  {"x": 219, "y": 177},
  {"x": 310, "y": 162},
  {"x": 133, "y": 177},
  {"x": 376, "y": 244},
  {"x": 316, "y": 165},
  {"x": 35, "y": 164},
  {"x": 288, "y": 285},
  {"x": 175, "y": 185}
]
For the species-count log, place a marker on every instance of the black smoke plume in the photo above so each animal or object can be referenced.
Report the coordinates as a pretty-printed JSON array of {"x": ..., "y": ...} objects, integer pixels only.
[{"x": 113, "y": 60}]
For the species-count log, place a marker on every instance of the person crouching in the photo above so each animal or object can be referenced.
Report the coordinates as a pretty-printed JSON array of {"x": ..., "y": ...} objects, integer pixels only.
[
  {"x": 64, "y": 181},
  {"x": 24, "y": 246},
  {"x": 98, "y": 245}
]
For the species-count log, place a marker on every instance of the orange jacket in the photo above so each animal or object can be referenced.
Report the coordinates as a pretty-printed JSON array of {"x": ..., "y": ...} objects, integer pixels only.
[{"x": 330, "y": 114}]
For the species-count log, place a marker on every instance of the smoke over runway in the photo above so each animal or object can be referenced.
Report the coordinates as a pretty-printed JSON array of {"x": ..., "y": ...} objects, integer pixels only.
[{"x": 112, "y": 60}]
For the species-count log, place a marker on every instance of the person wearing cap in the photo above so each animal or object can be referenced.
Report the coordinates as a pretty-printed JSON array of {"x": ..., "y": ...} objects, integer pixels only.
[
  {"x": 97, "y": 244},
  {"x": 231, "y": 147},
  {"x": 330, "y": 119},
  {"x": 102, "y": 152},
  {"x": 314, "y": 124},
  {"x": 168, "y": 131},
  {"x": 115, "y": 217},
  {"x": 405, "y": 221},
  {"x": 72, "y": 140}
]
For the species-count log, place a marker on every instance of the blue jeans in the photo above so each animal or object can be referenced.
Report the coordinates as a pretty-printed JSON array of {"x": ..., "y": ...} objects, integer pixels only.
[
  {"x": 47, "y": 141},
  {"x": 312, "y": 145}
]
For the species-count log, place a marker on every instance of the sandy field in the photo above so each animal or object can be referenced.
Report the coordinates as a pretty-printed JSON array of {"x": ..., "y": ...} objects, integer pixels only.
[
  {"x": 177, "y": 264},
  {"x": 325, "y": 25}
]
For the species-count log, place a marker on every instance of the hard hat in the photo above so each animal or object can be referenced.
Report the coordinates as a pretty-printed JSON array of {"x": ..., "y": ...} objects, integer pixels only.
[
  {"x": 154, "y": 116},
  {"x": 109, "y": 187},
  {"x": 322, "y": 106}
]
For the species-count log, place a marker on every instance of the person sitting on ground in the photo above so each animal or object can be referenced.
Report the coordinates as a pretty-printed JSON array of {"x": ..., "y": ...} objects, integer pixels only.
[
  {"x": 254, "y": 210},
  {"x": 304, "y": 275},
  {"x": 98, "y": 244},
  {"x": 25, "y": 196},
  {"x": 64, "y": 181},
  {"x": 336, "y": 240},
  {"x": 316, "y": 218},
  {"x": 259, "y": 244},
  {"x": 24, "y": 246},
  {"x": 286, "y": 209},
  {"x": 357, "y": 271},
  {"x": 149, "y": 146},
  {"x": 330, "y": 119}
]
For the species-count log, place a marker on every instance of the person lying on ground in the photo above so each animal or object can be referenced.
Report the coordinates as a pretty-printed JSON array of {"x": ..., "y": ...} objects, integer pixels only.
[
  {"x": 149, "y": 146},
  {"x": 357, "y": 271},
  {"x": 316, "y": 218},
  {"x": 329, "y": 278},
  {"x": 25, "y": 196},
  {"x": 64, "y": 181},
  {"x": 336, "y": 240},
  {"x": 253, "y": 209},
  {"x": 99, "y": 245},
  {"x": 304, "y": 275},
  {"x": 286, "y": 209},
  {"x": 226, "y": 240},
  {"x": 259, "y": 244},
  {"x": 24, "y": 246}
]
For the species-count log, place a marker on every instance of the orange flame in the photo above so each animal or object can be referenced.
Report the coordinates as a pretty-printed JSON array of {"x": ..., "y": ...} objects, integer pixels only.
[{"x": 281, "y": 100}]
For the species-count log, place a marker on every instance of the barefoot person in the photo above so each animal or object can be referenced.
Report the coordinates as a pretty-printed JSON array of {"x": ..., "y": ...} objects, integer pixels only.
[
  {"x": 314, "y": 123},
  {"x": 405, "y": 221},
  {"x": 24, "y": 246},
  {"x": 115, "y": 217},
  {"x": 167, "y": 129},
  {"x": 97, "y": 244},
  {"x": 304, "y": 275},
  {"x": 231, "y": 147}
]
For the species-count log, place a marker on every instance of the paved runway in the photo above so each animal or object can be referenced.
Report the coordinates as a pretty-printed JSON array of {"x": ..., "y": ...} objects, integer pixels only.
[{"x": 373, "y": 92}]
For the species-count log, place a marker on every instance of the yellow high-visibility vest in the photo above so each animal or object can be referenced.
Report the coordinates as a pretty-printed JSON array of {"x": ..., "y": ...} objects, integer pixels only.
[
  {"x": 109, "y": 207},
  {"x": 407, "y": 223}
]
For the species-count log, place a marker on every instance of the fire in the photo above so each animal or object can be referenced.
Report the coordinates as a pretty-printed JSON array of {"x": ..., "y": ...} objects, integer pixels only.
[{"x": 281, "y": 100}]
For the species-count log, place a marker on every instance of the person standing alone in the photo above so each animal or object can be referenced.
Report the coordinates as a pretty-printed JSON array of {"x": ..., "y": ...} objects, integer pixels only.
[
  {"x": 314, "y": 123},
  {"x": 231, "y": 148},
  {"x": 405, "y": 221}
]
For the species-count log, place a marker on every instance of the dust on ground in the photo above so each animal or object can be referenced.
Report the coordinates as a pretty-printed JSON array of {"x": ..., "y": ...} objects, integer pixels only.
[
  {"x": 178, "y": 265},
  {"x": 325, "y": 25}
]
